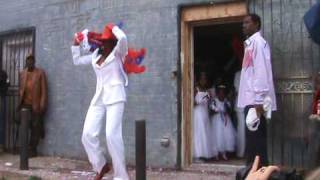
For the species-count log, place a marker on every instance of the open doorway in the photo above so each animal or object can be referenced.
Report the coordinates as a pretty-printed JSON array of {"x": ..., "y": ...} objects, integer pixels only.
[
  {"x": 218, "y": 51},
  {"x": 192, "y": 19},
  {"x": 214, "y": 51}
]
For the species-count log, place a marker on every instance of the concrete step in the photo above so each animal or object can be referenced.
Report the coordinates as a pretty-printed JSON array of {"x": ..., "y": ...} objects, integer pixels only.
[{"x": 214, "y": 169}]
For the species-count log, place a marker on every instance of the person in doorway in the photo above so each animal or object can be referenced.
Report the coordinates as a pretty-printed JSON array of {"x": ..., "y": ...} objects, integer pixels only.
[
  {"x": 256, "y": 84},
  {"x": 33, "y": 96},
  {"x": 222, "y": 131},
  {"x": 109, "y": 100},
  {"x": 213, "y": 148},
  {"x": 4, "y": 84},
  {"x": 212, "y": 88},
  {"x": 201, "y": 143}
]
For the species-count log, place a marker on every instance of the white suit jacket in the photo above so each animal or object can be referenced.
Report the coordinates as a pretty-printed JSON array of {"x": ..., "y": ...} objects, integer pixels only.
[{"x": 111, "y": 77}]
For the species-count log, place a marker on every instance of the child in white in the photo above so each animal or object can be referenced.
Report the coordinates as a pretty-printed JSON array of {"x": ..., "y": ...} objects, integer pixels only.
[{"x": 222, "y": 128}]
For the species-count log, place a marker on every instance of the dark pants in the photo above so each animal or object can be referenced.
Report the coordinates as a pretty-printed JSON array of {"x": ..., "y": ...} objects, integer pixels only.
[
  {"x": 256, "y": 141},
  {"x": 36, "y": 128},
  {"x": 2, "y": 120}
]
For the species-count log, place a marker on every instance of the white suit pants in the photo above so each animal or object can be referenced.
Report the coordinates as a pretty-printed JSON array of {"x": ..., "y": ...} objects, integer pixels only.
[
  {"x": 90, "y": 138},
  {"x": 241, "y": 133}
]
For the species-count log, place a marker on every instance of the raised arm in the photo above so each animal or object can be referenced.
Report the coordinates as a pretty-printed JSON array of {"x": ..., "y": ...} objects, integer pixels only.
[
  {"x": 121, "y": 48},
  {"x": 77, "y": 58}
]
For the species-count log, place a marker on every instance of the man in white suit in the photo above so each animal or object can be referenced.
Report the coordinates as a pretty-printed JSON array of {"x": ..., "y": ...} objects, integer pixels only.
[{"x": 108, "y": 101}]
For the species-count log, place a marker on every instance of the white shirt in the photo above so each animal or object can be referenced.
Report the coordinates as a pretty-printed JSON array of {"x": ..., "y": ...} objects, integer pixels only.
[
  {"x": 111, "y": 77},
  {"x": 256, "y": 81}
]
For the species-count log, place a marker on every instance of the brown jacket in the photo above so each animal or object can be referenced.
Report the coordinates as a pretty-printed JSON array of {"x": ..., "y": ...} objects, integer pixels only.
[{"x": 39, "y": 90}]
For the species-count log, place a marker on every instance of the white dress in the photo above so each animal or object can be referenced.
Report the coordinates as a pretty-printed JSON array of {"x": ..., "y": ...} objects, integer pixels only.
[
  {"x": 201, "y": 146},
  {"x": 222, "y": 129}
]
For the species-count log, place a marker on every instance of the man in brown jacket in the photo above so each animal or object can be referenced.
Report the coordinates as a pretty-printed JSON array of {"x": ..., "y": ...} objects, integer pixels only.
[{"x": 33, "y": 96}]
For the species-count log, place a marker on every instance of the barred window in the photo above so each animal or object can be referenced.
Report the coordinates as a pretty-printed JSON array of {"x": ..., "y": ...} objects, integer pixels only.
[{"x": 15, "y": 45}]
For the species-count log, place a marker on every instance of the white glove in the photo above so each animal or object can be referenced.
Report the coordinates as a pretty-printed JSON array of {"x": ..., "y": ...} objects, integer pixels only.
[{"x": 252, "y": 120}]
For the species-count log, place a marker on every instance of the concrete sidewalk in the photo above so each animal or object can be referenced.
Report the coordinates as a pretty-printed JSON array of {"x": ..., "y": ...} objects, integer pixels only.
[{"x": 56, "y": 168}]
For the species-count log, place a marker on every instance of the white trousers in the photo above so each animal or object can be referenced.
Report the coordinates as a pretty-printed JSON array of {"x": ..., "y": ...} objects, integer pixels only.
[
  {"x": 241, "y": 133},
  {"x": 90, "y": 138}
]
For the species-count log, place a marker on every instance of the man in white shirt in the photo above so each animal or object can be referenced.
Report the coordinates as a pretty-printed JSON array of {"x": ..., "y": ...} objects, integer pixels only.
[{"x": 256, "y": 83}]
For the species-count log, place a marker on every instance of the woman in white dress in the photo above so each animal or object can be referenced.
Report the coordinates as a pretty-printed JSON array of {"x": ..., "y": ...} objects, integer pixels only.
[
  {"x": 222, "y": 131},
  {"x": 201, "y": 146}
]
